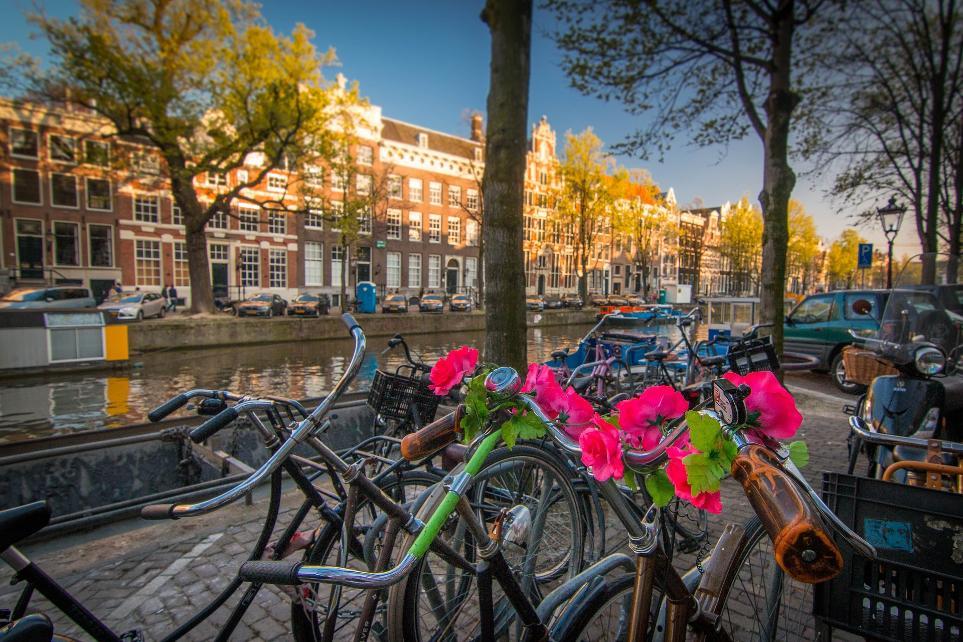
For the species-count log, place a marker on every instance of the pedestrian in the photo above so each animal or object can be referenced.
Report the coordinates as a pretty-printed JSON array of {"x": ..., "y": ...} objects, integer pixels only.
[
  {"x": 172, "y": 297},
  {"x": 117, "y": 287},
  {"x": 164, "y": 296}
]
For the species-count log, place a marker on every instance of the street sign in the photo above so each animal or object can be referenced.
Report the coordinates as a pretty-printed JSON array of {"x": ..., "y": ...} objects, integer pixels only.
[
  {"x": 381, "y": 244},
  {"x": 865, "y": 259}
]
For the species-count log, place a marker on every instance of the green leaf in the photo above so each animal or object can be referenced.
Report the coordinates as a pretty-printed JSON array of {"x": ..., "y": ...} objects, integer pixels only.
[
  {"x": 628, "y": 478},
  {"x": 704, "y": 432},
  {"x": 522, "y": 426},
  {"x": 799, "y": 453},
  {"x": 703, "y": 472},
  {"x": 659, "y": 487},
  {"x": 729, "y": 452},
  {"x": 510, "y": 432}
]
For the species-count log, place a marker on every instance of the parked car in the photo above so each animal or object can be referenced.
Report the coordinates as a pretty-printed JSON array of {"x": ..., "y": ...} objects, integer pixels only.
[
  {"x": 135, "y": 305},
  {"x": 950, "y": 295},
  {"x": 432, "y": 303},
  {"x": 572, "y": 301},
  {"x": 553, "y": 302},
  {"x": 262, "y": 304},
  {"x": 598, "y": 300},
  {"x": 61, "y": 296},
  {"x": 634, "y": 300},
  {"x": 309, "y": 305},
  {"x": 534, "y": 303},
  {"x": 460, "y": 303},
  {"x": 819, "y": 326},
  {"x": 395, "y": 303},
  {"x": 614, "y": 299}
]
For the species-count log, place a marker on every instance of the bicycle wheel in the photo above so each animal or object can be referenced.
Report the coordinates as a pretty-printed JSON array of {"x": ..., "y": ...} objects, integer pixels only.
[
  {"x": 439, "y": 601},
  {"x": 312, "y": 602},
  {"x": 602, "y": 615}
]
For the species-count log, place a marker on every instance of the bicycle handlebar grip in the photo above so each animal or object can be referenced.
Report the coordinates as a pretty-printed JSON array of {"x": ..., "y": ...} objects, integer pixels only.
[
  {"x": 801, "y": 543},
  {"x": 433, "y": 437},
  {"x": 212, "y": 425},
  {"x": 158, "y": 511},
  {"x": 269, "y": 572},
  {"x": 348, "y": 320},
  {"x": 167, "y": 407}
]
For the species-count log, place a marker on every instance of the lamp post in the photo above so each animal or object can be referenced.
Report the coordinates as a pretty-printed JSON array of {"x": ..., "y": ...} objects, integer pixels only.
[{"x": 891, "y": 218}]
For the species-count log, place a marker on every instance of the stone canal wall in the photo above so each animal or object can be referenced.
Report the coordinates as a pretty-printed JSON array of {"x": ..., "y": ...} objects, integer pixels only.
[{"x": 185, "y": 333}]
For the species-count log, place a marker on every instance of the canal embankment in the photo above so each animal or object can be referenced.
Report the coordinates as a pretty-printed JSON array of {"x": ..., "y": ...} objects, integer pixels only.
[{"x": 204, "y": 332}]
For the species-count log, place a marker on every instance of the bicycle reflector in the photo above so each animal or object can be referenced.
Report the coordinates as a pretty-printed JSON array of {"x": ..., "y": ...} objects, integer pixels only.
[{"x": 727, "y": 400}]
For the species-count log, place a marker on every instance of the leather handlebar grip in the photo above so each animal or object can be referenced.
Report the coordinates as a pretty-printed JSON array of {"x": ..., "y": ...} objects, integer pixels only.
[
  {"x": 801, "y": 544},
  {"x": 158, "y": 511},
  {"x": 433, "y": 437},
  {"x": 212, "y": 425},
  {"x": 348, "y": 320},
  {"x": 267, "y": 572},
  {"x": 167, "y": 407}
]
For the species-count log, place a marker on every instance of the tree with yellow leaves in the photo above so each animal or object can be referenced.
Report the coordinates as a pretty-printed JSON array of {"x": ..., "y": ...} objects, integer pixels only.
[
  {"x": 740, "y": 244},
  {"x": 842, "y": 259},
  {"x": 803, "y": 256},
  {"x": 641, "y": 215}
]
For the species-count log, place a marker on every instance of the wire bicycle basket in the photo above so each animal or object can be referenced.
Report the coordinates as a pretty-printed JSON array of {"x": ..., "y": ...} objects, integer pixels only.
[
  {"x": 394, "y": 395},
  {"x": 755, "y": 355}
]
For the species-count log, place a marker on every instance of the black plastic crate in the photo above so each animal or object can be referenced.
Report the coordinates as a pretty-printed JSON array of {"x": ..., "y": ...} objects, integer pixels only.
[
  {"x": 914, "y": 590},
  {"x": 393, "y": 394},
  {"x": 757, "y": 356}
]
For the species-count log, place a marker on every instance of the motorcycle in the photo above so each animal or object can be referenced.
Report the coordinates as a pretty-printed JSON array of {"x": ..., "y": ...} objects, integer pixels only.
[{"x": 919, "y": 342}]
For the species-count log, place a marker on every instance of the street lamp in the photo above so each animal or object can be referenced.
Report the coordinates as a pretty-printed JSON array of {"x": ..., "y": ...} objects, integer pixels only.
[{"x": 890, "y": 217}]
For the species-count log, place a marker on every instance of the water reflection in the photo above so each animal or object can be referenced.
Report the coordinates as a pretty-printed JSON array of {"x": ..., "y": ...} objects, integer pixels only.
[{"x": 34, "y": 407}]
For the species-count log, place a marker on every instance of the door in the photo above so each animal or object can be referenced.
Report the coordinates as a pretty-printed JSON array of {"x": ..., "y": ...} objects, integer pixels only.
[
  {"x": 451, "y": 277},
  {"x": 30, "y": 249},
  {"x": 541, "y": 284},
  {"x": 219, "y": 279},
  {"x": 809, "y": 324}
]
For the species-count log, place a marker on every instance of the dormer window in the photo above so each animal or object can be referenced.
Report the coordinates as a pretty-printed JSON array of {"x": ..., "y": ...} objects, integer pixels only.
[
  {"x": 478, "y": 154},
  {"x": 423, "y": 140}
]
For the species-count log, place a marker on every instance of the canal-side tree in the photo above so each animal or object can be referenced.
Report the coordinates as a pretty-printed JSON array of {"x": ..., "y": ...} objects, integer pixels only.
[
  {"x": 510, "y": 25},
  {"x": 803, "y": 250},
  {"x": 585, "y": 199},
  {"x": 209, "y": 85},
  {"x": 740, "y": 245},
  {"x": 476, "y": 213},
  {"x": 645, "y": 219},
  {"x": 842, "y": 258},
  {"x": 719, "y": 70}
]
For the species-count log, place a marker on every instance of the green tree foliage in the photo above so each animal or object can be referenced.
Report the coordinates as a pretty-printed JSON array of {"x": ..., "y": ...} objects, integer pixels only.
[
  {"x": 842, "y": 258},
  {"x": 803, "y": 256},
  {"x": 740, "y": 244}
]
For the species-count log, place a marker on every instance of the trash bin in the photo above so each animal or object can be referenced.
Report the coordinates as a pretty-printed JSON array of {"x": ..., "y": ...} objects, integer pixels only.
[
  {"x": 366, "y": 295},
  {"x": 662, "y": 295}
]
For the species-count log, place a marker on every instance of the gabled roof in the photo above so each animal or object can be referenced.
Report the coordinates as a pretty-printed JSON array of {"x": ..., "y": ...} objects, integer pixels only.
[{"x": 406, "y": 133}]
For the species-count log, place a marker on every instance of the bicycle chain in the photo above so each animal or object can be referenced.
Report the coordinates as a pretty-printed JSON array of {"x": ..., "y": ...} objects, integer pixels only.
[{"x": 701, "y": 555}]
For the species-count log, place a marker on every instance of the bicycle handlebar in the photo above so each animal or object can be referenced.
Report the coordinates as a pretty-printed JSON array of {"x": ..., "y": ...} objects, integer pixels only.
[
  {"x": 215, "y": 423},
  {"x": 866, "y": 433},
  {"x": 177, "y": 401}
]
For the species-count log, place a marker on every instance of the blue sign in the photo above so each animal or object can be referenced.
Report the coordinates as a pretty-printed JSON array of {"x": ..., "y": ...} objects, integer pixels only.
[{"x": 865, "y": 256}]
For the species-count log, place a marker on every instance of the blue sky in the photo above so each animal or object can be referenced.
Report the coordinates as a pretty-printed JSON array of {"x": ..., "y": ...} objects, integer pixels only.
[{"x": 426, "y": 62}]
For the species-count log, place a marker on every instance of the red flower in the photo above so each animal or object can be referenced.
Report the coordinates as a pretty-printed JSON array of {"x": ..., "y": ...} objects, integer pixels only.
[
  {"x": 449, "y": 371},
  {"x": 641, "y": 418},
  {"x": 602, "y": 450},
  {"x": 538, "y": 378},
  {"x": 574, "y": 412},
  {"x": 675, "y": 470},
  {"x": 775, "y": 408}
]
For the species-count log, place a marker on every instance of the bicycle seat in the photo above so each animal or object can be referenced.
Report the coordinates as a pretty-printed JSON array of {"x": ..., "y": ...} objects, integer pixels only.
[
  {"x": 560, "y": 355},
  {"x": 656, "y": 355},
  {"x": 719, "y": 359},
  {"x": 29, "y": 628},
  {"x": 21, "y": 522}
]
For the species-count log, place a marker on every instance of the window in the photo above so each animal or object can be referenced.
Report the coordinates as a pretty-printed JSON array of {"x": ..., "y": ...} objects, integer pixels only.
[
  {"x": 478, "y": 154},
  {"x": 394, "y": 186},
  {"x": 422, "y": 140},
  {"x": 471, "y": 232},
  {"x": 454, "y": 196},
  {"x": 26, "y": 186},
  {"x": 215, "y": 179},
  {"x": 101, "y": 245},
  {"x": 365, "y": 155},
  {"x": 363, "y": 264},
  {"x": 62, "y": 149},
  {"x": 434, "y": 228},
  {"x": 337, "y": 265},
  {"x": 414, "y": 189},
  {"x": 363, "y": 184},
  {"x": 364, "y": 223},
  {"x": 24, "y": 143},
  {"x": 276, "y": 182},
  {"x": 250, "y": 267},
  {"x": 434, "y": 271},
  {"x": 182, "y": 275},
  {"x": 218, "y": 221},
  {"x": 247, "y": 219},
  {"x": 177, "y": 215},
  {"x": 337, "y": 211},
  {"x": 277, "y": 223},
  {"x": 434, "y": 193},
  {"x": 815, "y": 309},
  {"x": 146, "y": 209},
  {"x": 217, "y": 252},
  {"x": 543, "y": 178},
  {"x": 278, "y": 268},
  {"x": 314, "y": 219},
  {"x": 147, "y": 262},
  {"x": 471, "y": 271},
  {"x": 66, "y": 247},
  {"x": 63, "y": 190},
  {"x": 414, "y": 270},
  {"x": 97, "y": 153},
  {"x": 471, "y": 199},
  {"x": 313, "y": 263},
  {"x": 337, "y": 181},
  {"x": 454, "y": 230},
  {"x": 394, "y": 270},
  {"x": 414, "y": 226},
  {"x": 75, "y": 340},
  {"x": 313, "y": 177},
  {"x": 394, "y": 224}
]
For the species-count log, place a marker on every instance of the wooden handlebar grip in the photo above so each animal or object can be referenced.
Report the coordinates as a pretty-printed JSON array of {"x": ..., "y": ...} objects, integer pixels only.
[
  {"x": 802, "y": 546},
  {"x": 433, "y": 437}
]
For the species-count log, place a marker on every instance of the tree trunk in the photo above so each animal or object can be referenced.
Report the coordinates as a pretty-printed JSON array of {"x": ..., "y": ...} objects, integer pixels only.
[
  {"x": 510, "y": 24},
  {"x": 344, "y": 274},
  {"x": 481, "y": 267},
  {"x": 195, "y": 236}
]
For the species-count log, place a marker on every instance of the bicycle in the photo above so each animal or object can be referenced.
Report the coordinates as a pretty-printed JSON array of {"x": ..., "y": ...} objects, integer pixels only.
[{"x": 794, "y": 517}]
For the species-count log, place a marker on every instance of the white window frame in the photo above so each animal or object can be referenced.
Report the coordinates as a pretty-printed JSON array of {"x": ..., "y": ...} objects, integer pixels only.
[
  {"x": 422, "y": 140},
  {"x": 414, "y": 270},
  {"x": 416, "y": 190},
  {"x": 365, "y": 155},
  {"x": 156, "y": 243},
  {"x": 454, "y": 196},
  {"x": 434, "y": 228},
  {"x": 50, "y": 148},
  {"x": 471, "y": 272},
  {"x": 90, "y": 245},
  {"x": 471, "y": 232},
  {"x": 244, "y": 215},
  {"x": 146, "y": 197},
  {"x": 338, "y": 265},
  {"x": 393, "y": 272},
  {"x": 434, "y": 283},
  {"x": 415, "y": 231},
  {"x": 337, "y": 181},
  {"x": 363, "y": 184},
  {"x": 313, "y": 262},
  {"x": 103, "y": 143},
  {"x": 313, "y": 216},
  {"x": 434, "y": 193},
  {"x": 394, "y": 186},
  {"x": 454, "y": 230},
  {"x": 223, "y": 252},
  {"x": 215, "y": 179},
  {"x": 245, "y": 274},
  {"x": 219, "y": 217},
  {"x": 36, "y": 135},
  {"x": 180, "y": 265},
  {"x": 276, "y": 183},
  {"x": 177, "y": 214},
  {"x": 76, "y": 205},
  {"x": 393, "y": 224},
  {"x": 77, "y": 242},
  {"x": 17, "y": 235},
  {"x": 277, "y": 265},
  {"x": 364, "y": 223},
  {"x": 110, "y": 194},
  {"x": 471, "y": 200},
  {"x": 277, "y": 223},
  {"x": 13, "y": 182}
]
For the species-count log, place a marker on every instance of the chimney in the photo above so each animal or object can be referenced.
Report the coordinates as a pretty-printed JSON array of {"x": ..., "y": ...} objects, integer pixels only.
[{"x": 477, "y": 128}]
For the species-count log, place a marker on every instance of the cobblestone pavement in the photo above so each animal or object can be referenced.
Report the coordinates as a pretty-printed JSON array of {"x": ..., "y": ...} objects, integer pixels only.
[{"x": 159, "y": 573}]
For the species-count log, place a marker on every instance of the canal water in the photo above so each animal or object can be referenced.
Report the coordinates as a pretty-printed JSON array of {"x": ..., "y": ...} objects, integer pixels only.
[{"x": 44, "y": 406}]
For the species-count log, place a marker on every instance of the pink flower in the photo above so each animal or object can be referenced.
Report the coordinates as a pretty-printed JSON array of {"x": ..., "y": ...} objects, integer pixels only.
[
  {"x": 641, "y": 418},
  {"x": 775, "y": 407},
  {"x": 602, "y": 450},
  {"x": 574, "y": 412},
  {"x": 538, "y": 378},
  {"x": 675, "y": 470},
  {"x": 449, "y": 371}
]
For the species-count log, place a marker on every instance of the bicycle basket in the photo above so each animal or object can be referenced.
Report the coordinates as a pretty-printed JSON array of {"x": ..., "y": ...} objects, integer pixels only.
[
  {"x": 753, "y": 356},
  {"x": 913, "y": 590},
  {"x": 393, "y": 395}
]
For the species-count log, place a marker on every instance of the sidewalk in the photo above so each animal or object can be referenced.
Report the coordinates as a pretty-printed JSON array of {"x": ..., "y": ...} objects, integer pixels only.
[{"x": 159, "y": 573}]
